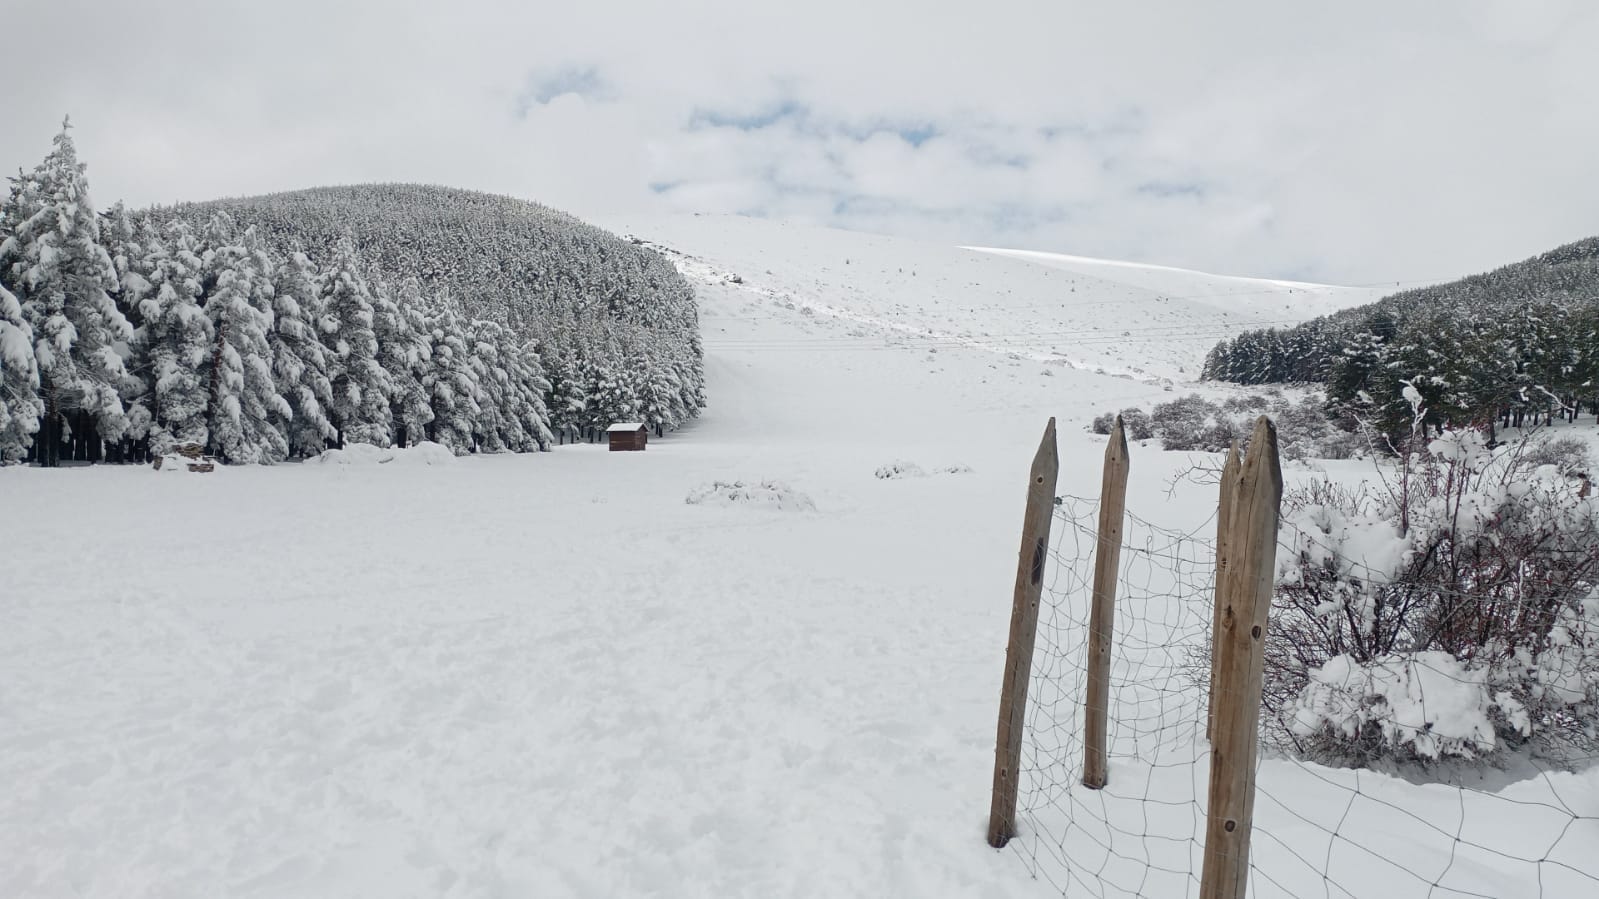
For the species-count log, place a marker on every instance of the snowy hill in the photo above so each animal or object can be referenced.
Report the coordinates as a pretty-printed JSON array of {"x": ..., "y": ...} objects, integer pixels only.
[
  {"x": 1145, "y": 321},
  {"x": 740, "y": 663},
  {"x": 509, "y": 260},
  {"x": 1255, "y": 297},
  {"x": 616, "y": 326}
]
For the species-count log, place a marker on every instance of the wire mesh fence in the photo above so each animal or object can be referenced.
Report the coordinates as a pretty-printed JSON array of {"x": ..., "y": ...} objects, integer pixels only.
[{"x": 1519, "y": 829}]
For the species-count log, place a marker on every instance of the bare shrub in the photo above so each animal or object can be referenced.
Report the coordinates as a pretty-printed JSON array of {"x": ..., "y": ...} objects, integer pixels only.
[
  {"x": 1138, "y": 424},
  {"x": 1194, "y": 424},
  {"x": 1452, "y": 612},
  {"x": 1252, "y": 402},
  {"x": 1569, "y": 455},
  {"x": 1188, "y": 423},
  {"x": 1134, "y": 420}
]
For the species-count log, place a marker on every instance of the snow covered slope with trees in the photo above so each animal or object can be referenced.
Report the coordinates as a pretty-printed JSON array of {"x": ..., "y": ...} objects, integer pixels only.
[
  {"x": 616, "y": 326},
  {"x": 556, "y": 675},
  {"x": 264, "y": 329},
  {"x": 1517, "y": 342}
]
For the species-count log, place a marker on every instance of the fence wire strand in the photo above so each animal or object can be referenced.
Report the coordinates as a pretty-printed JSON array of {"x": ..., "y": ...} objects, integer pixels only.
[{"x": 1318, "y": 831}]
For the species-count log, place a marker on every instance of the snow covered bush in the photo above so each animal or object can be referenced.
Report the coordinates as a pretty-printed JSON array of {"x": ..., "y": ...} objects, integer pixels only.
[
  {"x": 904, "y": 469},
  {"x": 1425, "y": 704},
  {"x": 1569, "y": 455},
  {"x": 1192, "y": 423},
  {"x": 1451, "y": 612},
  {"x": 1338, "y": 443},
  {"x": 1138, "y": 424},
  {"x": 774, "y": 495},
  {"x": 900, "y": 469},
  {"x": 1252, "y": 403},
  {"x": 1305, "y": 432},
  {"x": 1195, "y": 424},
  {"x": 424, "y": 453},
  {"x": 1135, "y": 420}
]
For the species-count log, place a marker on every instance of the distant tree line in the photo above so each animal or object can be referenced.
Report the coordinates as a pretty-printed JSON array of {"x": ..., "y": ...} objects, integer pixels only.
[
  {"x": 125, "y": 334},
  {"x": 1510, "y": 347}
]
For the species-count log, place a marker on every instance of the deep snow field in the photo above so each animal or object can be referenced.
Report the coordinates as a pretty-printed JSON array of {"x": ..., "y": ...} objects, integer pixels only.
[{"x": 552, "y": 676}]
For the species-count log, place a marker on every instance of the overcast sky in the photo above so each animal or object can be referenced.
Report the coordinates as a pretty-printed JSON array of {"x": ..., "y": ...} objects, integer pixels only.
[{"x": 1352, "y": 141}]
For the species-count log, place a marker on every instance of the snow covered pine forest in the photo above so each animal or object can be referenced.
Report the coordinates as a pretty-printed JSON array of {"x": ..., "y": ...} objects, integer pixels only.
[
  {"x": 1519, "y": 344},
  {"x": 763, "y": 657},
  {"x": 273, "y": 328}
]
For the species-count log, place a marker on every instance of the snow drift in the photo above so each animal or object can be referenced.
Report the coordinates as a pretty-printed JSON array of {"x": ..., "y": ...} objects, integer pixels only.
[{"x": 424, "y": 453}]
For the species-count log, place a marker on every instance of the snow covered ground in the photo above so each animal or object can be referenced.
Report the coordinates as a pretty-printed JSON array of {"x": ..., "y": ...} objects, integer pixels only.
[
  {"x": 1266, "y": 300},
  {"x": 1147, "y": 322},
  {"x": 554, "y": 675}
]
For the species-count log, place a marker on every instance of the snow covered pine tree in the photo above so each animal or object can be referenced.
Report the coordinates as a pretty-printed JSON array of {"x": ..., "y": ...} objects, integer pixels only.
[
  {"x": 403, "y": 351},
  {"x": 62, "y": 278},
  {"x": 361, "y": 388},
  {"x": 173, "y": 343},
  {"x": 299, "y": 360},
  {"x": 20, "y": 405},
  {"x": 449, "y": 380},
  {"x": 244, "y": 404}
]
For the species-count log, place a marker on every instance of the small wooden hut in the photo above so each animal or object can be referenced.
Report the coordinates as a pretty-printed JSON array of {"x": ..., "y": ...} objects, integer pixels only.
[{"x": 627, "y": 437}]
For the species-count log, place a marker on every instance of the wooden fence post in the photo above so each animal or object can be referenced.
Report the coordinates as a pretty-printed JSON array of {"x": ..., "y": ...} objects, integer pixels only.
[
  {"x": 1224, "y": 524},
  {"x": 1239, "y": 666},
  {"x": 1023, "y": 630},
  {"x": 1102, "y": 618}
]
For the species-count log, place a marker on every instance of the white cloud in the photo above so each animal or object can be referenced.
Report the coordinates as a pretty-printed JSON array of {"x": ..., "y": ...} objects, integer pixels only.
[{"x": 1358, "y": 141}]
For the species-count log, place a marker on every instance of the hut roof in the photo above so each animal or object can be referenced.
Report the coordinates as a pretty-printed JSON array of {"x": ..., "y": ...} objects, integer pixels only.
[{"x": 625, "y": 427}]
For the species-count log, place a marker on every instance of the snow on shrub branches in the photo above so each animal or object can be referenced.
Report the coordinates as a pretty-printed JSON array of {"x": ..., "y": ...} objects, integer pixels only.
[
  {"x": 1451, "y": 612},
  {"x": 1194, "y": 424}
]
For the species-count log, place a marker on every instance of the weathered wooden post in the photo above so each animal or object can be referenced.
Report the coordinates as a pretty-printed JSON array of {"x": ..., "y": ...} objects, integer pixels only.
[
  {"x": 1239, "y": 666},
  {"x": 1224, "y": 524},
  {"x": 1102, "y": 618},
  {"x": 1023, "y": 630}
]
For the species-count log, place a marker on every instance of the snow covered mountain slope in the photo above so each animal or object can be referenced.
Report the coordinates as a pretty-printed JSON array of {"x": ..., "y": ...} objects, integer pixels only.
[
  {"x": 1255, "y": 297},
  {"x": 587, "y": 674},
  {"x": 1144, "y": 321}
]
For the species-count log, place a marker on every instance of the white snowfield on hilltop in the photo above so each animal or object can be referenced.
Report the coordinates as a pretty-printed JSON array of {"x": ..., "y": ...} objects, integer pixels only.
[
  {"x": 559, "y": 675},
  {"x": 1257, "y": 297},
  {"x": 1146, "y": 322}
]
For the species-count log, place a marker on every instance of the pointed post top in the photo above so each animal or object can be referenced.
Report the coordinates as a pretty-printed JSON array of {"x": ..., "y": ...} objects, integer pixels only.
[
  {"x": 1047, "y": 459},
  {"x": 1234, "y": 463},
  {"x": 1116, "y": 449},
  {"x": 1048, "y": 441},
  {"x": 1262, "y": 460}
]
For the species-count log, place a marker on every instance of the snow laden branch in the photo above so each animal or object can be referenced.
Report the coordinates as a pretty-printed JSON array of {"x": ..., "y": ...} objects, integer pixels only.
[{"x": 1471, "y": 630}]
